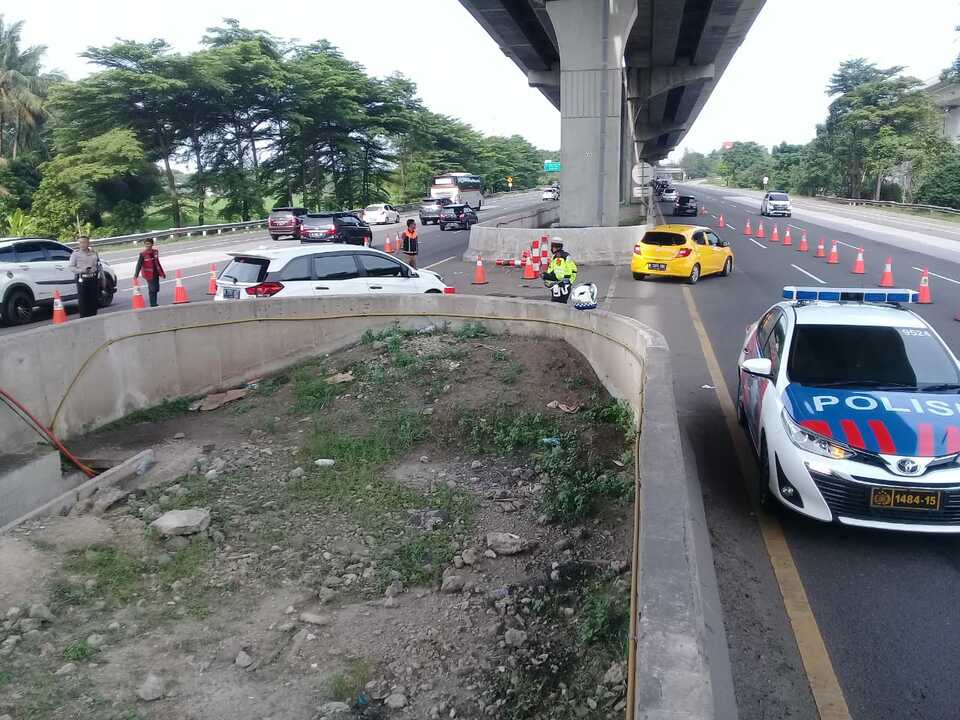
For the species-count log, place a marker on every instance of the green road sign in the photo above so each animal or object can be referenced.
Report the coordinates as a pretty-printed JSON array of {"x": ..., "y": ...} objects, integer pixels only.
[{"x": 551, "y": 166}]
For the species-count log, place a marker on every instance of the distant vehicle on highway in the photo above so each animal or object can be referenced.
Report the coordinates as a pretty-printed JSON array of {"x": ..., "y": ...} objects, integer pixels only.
[
  {"x": 851, "y": 403},
  {"x": 380, "y": 214},
  {"x": 776, "y": 203},
  {"x": 686, "y": 205},
  {"x": 430, "y": 209},
  {"x": 31, "y": 269},
  {"x": 335, "y": 227},
  {"x": 459, "y": 188},
  {"x": 669, "y": 195},
  {"x": 457, "y": 217},
  {"x": 285, "y": 222},
  {"x": 550, "y": 193},
  {"x": 303, "y": 271},
  {"x": 685, "y": 251}
]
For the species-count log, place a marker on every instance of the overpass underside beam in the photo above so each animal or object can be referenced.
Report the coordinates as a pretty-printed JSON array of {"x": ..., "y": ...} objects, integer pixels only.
[{"x": 591, "y": 35}]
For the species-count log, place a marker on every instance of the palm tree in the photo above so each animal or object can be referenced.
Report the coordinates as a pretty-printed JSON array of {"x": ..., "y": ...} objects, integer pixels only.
[{"x": 21, "y": 83}]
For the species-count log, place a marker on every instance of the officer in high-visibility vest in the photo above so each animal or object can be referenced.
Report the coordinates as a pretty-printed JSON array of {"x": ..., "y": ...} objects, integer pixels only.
[{"x": 561, "y": 272}]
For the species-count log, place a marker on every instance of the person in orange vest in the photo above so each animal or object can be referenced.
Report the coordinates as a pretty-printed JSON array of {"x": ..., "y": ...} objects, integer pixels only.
[
  {"x": 148, "y": 265},
  {"x": 410, "y": 243}
]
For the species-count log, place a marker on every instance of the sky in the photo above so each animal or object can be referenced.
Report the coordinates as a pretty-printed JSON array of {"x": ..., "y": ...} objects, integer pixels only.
[{"x": 772, "y": 91}]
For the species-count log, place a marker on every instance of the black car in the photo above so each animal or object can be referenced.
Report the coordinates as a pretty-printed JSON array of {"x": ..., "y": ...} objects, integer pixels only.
[
  {"x": 460, "y": 217},
  {"x": 686, "y": 205},
  {"x": 284, "y": 221},
  {"x": 430, "y": 209},
  {"x": 335, "y": 227}
]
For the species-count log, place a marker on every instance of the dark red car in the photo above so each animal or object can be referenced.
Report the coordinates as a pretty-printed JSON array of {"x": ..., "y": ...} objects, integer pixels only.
[{"x": 285, "y": 221}]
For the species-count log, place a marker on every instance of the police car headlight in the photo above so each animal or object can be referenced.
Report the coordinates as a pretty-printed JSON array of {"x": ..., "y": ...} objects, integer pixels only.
[{"x": 817, "y": 444}]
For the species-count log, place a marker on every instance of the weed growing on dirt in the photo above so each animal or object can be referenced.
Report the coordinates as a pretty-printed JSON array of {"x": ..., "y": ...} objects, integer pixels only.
[
  {"x": 5, "y": 679},
  {"x": 615, "y": 412},
  {"x": 575, "y": 488},
  {"x": 195, "y": 491},
  {"x": 472, "y": 331},
  {"x": 273, "y": 384},
  {"x": 164, "y": 411},
  {"x": 371, "y": 336},
  {"x": 500, "y": 356},
  {"x": 502, "y": 431},
  {"x": 311, "y": 389},
  {"x": 186, "y": 563},
  {"x": 78, "y": 651},
  {"x": 346, "y": 684},
  {"x": 605, "y": 616},
  {"x": 115, "y": 573},
  {"x": 512, "y": 373}
]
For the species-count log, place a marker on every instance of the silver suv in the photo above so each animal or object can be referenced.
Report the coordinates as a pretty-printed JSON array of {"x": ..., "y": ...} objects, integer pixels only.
[
  {"x": 31, "y": 269},
  {"x": 776, "y": 203}
]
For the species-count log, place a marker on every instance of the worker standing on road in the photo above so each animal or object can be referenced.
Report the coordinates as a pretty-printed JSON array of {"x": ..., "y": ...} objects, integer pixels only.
[
  {"x": 410, "y": 244},
  {"x": 561, "y": 272},
  {"x": 85, "y": 264},
  {"x": 148, "y": 264}
]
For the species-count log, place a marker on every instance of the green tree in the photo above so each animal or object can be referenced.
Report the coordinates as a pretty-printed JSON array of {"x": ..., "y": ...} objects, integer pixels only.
[{"x": 696, "y": 165}]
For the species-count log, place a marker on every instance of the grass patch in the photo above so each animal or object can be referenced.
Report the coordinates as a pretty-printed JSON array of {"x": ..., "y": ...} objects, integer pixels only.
[
  {"x": 195, "y": 491},
  {"x": 576, "y": 488},
  {"x": 502, "y": 431},
  {"x": 78, "y": 651},
  {"x": 185, "y": 564},
  {"x": 605, "y": 616},
  {"x": 512, "y": 373},
  {"x": 158, "y": 413},
  {"x": 312, "y": 391},
  {"x": 115, "y": 573},
  {"x": 615, "y": 412},
  {"x": 346, "y": 684},
  {"x": 472, "y": 331},
  {"x": 5, "y": 678},
  {"x": 272, "y": 384}
]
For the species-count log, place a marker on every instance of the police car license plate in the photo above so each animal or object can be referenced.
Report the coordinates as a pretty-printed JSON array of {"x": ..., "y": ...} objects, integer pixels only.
[
  {"x": 884, "y": 498},
  {"x": 231, "y": 293},
  {"x": 656, "y": 266}
]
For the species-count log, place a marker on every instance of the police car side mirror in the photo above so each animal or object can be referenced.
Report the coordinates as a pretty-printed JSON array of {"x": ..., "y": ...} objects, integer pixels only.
[{"x": 760, "y": 367}]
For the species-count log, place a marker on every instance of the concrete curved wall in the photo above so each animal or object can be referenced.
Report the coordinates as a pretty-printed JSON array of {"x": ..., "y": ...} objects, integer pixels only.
[{"x": 88, "y": 372}]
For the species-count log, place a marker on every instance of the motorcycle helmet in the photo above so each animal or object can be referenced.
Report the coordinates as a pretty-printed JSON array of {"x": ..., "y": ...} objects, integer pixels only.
[{"x": 584, "y": 296}]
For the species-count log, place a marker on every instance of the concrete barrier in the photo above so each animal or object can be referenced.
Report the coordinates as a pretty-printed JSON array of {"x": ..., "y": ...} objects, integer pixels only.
[
  {"x": 598, "y": 246},
  {"x": 88, "y": 372}
]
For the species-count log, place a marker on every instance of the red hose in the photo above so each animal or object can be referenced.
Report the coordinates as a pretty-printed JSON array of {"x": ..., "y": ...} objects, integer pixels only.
[{"x": 54, "y": 440}]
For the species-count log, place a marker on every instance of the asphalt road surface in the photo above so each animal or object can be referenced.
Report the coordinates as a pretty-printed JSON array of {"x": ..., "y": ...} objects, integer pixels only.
[
  {"x": 886, "y": 604},
  {"x": 194, "y": 256}
]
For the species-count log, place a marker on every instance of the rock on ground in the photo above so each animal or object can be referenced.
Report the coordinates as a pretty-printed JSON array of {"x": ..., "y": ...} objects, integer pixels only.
[
  {"x": 334, "y": 709},
  {"x": 312, "y": 618},
  {"x": 453, "y": 583},
  {"x": 515, "y": 638},
  {"x": 152, "y": 688},
  {"x": 504, "y": 543},
  {"x": 396, "y": 701},
  {"x": 615, "y": 675},
  {"x": 182, "y": 522}
]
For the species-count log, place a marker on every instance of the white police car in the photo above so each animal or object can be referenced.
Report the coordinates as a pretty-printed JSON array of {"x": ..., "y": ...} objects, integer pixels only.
[{"x": 853, "y": 404}]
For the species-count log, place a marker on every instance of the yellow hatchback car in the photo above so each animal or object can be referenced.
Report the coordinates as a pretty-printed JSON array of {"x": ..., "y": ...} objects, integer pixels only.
[{"x": 687, "y": 251}]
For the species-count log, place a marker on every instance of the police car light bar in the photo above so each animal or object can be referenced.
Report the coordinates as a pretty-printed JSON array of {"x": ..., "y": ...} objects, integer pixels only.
[{"x": 859, "y": 295}]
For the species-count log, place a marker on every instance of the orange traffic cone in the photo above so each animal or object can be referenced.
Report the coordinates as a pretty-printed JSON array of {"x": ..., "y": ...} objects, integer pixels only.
[
  {"x": 858, "y": 263},
  {"x": 528, "y": 271},
  {"x": 747, "y": 230},
  {"x": 775, "y": 235},
  {"x": 479, "y": 275},
  {"x": 138, "y": 303},
  {"x": 886, "y": 280},
  {"x": 787, "y": 238},
  {"x": 804, "y": 246},
  {"x": 59, "y": 314},
  {"x": 925, "y": 288},
  {"x": 212, "y": 285},
  {"x": 179, "y": 291},
  {"x": 760, "y": 231},
  {"x": 721, "y": 223},
  {"x": 388, "y": 246},
  {"x": 834, "y": 258},
  {"x": 821, "y": 251}
]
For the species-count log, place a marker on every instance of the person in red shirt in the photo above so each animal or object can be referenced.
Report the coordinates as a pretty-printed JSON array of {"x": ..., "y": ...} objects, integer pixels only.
[{"x": 148, "y": 265}]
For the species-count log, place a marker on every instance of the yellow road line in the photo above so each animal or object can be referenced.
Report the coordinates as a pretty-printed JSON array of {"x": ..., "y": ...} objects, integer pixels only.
[{"x": 816, "y": 660}]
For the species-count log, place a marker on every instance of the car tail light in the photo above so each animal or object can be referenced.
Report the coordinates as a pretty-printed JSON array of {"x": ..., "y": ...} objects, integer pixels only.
[
  {"x": 684, "y": 252},
  {"x": 265, "y": 289},
  {"x": 637, "y": 250},
  {"x": 449, "y": 291}
]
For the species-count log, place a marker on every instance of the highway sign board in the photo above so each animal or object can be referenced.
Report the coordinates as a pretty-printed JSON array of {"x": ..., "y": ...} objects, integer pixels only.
[{"x": 551, "y": 166}]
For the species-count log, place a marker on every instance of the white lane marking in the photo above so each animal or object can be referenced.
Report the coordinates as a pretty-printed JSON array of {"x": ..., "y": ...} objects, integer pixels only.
[
  {"x": 439, "y": 262},
  {"x": 809, "y": 275},
  {"x": 168, "y": 281},
  {"x": 759, "y": 245},
  {"x": 955, "y": 282},
  {"x": 855, "y": 247}
]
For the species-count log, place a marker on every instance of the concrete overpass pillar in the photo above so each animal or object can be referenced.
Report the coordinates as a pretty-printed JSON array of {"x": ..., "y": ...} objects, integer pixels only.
[{"x": 591, "y": 35}]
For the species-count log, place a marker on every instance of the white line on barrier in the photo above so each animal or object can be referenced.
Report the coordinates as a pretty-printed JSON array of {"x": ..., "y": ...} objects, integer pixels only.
[
  {"x": 439, "y": 262},
  {"x": 759, "y": 245},
  {"x": 955, "y": 282},
  {"x": 809, "y": 275}
]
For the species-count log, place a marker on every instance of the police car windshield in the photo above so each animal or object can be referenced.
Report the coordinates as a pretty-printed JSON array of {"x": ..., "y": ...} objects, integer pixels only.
[{"x": 871, "y": 356}]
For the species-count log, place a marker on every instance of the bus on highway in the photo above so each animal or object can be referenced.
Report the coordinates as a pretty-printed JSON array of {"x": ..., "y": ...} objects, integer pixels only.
[{"x": 460, "y": 187}]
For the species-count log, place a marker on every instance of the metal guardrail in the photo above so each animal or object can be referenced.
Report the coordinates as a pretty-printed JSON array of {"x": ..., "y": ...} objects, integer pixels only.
[
  {"x": 887, "y": 203},
  {"x": 179, "y": 232}
]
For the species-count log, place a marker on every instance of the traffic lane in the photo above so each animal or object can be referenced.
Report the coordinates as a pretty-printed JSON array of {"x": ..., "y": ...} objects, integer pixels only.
[
  {"x": 885, "y": 602},
  {"x": 195, "y": 261}
]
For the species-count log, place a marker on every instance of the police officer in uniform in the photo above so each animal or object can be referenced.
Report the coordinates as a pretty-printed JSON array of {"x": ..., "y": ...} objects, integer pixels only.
[
  {"x": 561, "y": 273},
  {"x": 85, "y": 264}
]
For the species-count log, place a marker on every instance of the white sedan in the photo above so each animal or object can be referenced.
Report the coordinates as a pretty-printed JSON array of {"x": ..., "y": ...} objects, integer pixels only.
[
  {"x": 316, "y": 271},
  {"x": 380, "y": 214},
  {"x": 851, "y": 402}
]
